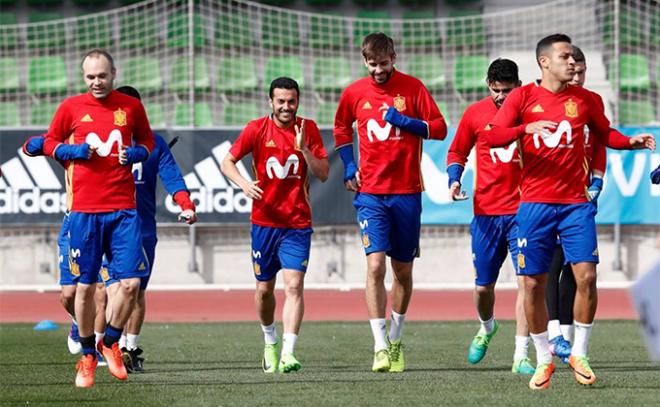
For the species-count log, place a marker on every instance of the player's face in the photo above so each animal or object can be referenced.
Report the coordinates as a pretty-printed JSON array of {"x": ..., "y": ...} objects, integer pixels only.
[
  {"x": 98, "y": 75},
  {"x": 285, "y": 105},
  {"x": 580, "y": 74},
  {"x": 381, "y": 67},
  {"x": 500, "y": 90},
  {"x": 560, "y": 62}
]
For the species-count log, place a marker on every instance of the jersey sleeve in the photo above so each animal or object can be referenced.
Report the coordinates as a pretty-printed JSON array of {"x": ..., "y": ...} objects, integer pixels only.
[
  {"x": 599, "y": 156},
  {"x": 430, "y": 113},
  {"x": 142, "y": 129},
  {"x": 314, "y": 140},
  {"x": 504, "y": 129},
  {"x": 344, "y": 119},
  {"x": 60, "y": 128},
  {"x": 464, "y": 140},
  {"x": 245, "y": 142},
  {"x": 168, "y": 170},
  {"x": 601, "y": 126}
]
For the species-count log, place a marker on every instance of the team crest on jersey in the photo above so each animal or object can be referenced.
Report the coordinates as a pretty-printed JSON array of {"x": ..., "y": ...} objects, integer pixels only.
[
  {"x": 87, "y": 119},
  {"x": 105, "y": 276},
  {"x": 257, "y": 269},
  {"x": 400, "y": 103},
  {"x": 521, "y": 261},
  {"x": 74, "y": 268},
  {"x": 571, "y": 108},
  {"x": 270, "y": 143},
  {"x": 366, "y": 105},
  {"x": 120, "y": 117},
  {"x": 537, "y": 109},
  {"x": 365, "y": 240}
]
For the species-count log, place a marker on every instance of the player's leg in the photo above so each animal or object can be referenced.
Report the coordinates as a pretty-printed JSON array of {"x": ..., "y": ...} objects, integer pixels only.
[
  {"x": 85, "y": 251},
  {"x": 375, "y": 226},
  {"x": 265, "y": 264},
  {"x": 293, "y": 253},
  {"x": 558, "y": 344},
  {"x": 489, "y": 249},
  {"x": 101, "y": 303},
  {"x": 537, "y": 229},
  {"x": 578, "y": 234},
  {"x": 567, "y": 288},
  {"x": 68, "y": 286}
]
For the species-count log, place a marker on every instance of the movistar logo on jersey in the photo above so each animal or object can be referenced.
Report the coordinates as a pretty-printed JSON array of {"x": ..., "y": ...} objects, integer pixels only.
[
  {"x": 504, "y": 154},
  {"x": 553, "y": 140},
  {"x": 29, "y": 185},
  {"x": 289, "y": 170},
  {"x": 210, "y": 190},
  {"x": 381, "y": 133},
  {"x": 103, "y": 148}
]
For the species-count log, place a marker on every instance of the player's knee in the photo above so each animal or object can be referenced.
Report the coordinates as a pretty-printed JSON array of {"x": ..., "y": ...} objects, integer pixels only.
[
  {"x": 533, "y": 285},
  {"x": 293, "y": 290},
  {"x": 263, "y": 291},
  {"x": 484, "y": 289},
  {"x": 586, "y": 279},
  {"x": 130, "y": 286},
  {"x": 67, "y": 298}
]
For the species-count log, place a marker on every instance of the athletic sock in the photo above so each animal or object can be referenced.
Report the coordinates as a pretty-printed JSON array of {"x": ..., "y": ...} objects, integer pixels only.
[
  {"x": 98, "y": 336},
  {"x": 396, "y": 325},
  {"x": 289, "y": 342},
  {"x": 122, "y": 341},
  {"x": 378, "y": 331},
  {"x": 542, "y": 346},
  {"x": 270, "y": 334},
  {"x": 487, "y": 326},
  {"x": 112, "y": 336},
  {"x": 567, "y": 332},
  {"x": 582, "y": 335},
  {"x": 553, "y": 329},
  {"x": 131, "y": 341},
  {"x": 522, "y": 347},
  {"x": 87, "y": 344}
]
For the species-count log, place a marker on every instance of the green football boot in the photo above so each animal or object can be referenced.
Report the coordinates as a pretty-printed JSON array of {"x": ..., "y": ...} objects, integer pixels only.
[
  {"x": 395, "y": 351},
  {"x": 381, "y": 361},
  {"x": 523, "y": 366},
  {"x": 479, "y": 345},
  {"x": 269, "y": 362},
  {"x": 289, "y": 363}
]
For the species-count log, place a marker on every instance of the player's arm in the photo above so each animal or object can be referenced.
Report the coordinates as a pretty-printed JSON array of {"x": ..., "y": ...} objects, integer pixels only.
[
  {"x": 430, "y": 125},
  {"x": 60, "y": 128},
  {"x": 143, "y": 137},
  {"x": 308, "y": 139},
  {"x": 34, "y": 146},
  {"x": 457, "y": 156},
  {"x": 241, "y": 147},
  {"x": 613, "y": 138},
  {"x": 172, "y": 179},
  {"x": 343, "y": 134}
]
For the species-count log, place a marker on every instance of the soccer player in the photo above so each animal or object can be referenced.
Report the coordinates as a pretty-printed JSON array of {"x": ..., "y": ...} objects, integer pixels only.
[
  {"x": 394, "y": 114},
  {"x": 284, "y": 147},
  {"x": 161, "y": 164},
  {"x": 496, "y": 197},
  {"x": 549, "y": 118},
  {"x": 102, "y": 131}
]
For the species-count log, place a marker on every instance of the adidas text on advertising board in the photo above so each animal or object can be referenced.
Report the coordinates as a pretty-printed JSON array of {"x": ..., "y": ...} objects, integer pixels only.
[
  {"x": 29, "y": 185},
  {"x": 210, "y": 191}
]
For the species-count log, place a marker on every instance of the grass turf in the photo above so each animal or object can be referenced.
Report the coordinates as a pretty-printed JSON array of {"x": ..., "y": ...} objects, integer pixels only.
[{"x": 219, "y": 364}]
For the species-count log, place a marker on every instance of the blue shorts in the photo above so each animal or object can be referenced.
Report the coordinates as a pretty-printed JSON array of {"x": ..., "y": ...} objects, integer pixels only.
[
  {"x": 66, "y": 278},
  {"x": 113, "y": 234},
  {"x": 108, "y": 275},
  {"x": 492, "y": 238},
  {"x": 539, "y": 225},
  {"x": 390, "y": 224},
  {"x": 279, "y": 248}
]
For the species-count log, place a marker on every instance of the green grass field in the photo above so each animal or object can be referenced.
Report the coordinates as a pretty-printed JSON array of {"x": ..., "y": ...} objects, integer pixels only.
[{"x": 219, "y": 364}]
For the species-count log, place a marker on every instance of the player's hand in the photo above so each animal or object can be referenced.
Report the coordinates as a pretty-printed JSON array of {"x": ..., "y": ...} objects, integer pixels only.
[
  {"x": 593, "y": 192},
  {"x": 655, "y": 176},
  {"x": 540, "y": 127},
  {"x": 90, "y": 151},
  {"x": 455, "y": 192},
  {"x": 252, "y": 191},
  {"x": 189, "y": 216},
  {"x": 354, "y": 183},
  {"x": 301, "y": 142},
  {"x": 641, "y": 141},
  {"x": 123, "y": 156}
]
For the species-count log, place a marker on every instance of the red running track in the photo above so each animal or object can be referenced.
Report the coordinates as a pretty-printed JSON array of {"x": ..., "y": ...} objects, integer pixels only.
[{"x": 320, "y": 305}]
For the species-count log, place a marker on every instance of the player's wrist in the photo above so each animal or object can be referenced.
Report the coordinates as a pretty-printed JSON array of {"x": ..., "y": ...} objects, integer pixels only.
[{"x": 455, "y": 172}]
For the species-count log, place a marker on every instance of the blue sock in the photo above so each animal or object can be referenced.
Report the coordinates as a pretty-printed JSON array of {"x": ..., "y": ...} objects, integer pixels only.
[
  {"x": 88, "y": 345},
  {"x": 112, "y": 335}
]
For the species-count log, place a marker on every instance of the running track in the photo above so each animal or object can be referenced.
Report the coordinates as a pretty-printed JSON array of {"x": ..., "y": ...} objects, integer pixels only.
[{"x": 320, "y": 305}]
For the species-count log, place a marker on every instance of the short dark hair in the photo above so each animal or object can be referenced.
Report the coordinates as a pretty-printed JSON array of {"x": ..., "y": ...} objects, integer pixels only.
[
  {"x": 548, "y": 41},
  {"x": 503, "y": 71},
  {"x": 283, "y": 83},
  {"x": 377, "y": 44},
  {"x": 578, "y": 55},
  {"x": 130, "y": 91},
  {"x": 97, "y": 52}
]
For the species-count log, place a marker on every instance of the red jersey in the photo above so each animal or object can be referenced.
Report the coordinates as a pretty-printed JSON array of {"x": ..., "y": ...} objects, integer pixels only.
[
  {"x": 389, "y": 161},
  {"x": 497, "y": 175},
  {"x": 100, "y": 184},
  {"x": 281, "y": 170},
  {"x": 594, "y": 146},
  {"x": 555, "y": 166}
]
